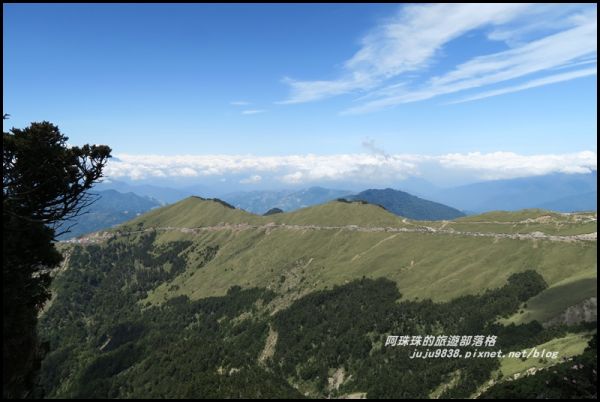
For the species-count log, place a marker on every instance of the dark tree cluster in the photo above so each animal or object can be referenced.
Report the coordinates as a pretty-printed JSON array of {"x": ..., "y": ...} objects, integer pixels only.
[
  {"x": 180, "y": 349},
  {"x": 106, "y": 341},
  {"x": 572, "y": 379},
  {"x": 345, "y": 328},
  {"x": 45, "y": 182}
]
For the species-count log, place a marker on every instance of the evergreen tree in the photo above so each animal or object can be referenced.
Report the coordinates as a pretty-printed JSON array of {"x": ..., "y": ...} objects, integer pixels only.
[{"x": 44, "y": 183}]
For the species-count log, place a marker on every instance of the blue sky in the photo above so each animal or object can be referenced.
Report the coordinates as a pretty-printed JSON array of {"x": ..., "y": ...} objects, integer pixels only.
[{"x": 306, "y": 93}]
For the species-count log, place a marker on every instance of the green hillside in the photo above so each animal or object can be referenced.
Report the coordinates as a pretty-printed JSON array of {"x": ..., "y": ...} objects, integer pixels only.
[
  {"x": 423, "y": 265},
  {"x": 339, "y": 241},
  {"x": 510, "y": 216},
  {"x": 524, "y": 221},
  {"x": 310, "y": 295},
  {"x": 572, "y": 291},
  {"x": 198, "y": 212},
  {"x": 192, "y": 212},
  {"x": 341, "y": 213}
]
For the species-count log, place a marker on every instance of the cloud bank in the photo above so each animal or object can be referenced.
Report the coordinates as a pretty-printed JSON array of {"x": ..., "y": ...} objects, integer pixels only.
[{"x": 376, "y": 167}]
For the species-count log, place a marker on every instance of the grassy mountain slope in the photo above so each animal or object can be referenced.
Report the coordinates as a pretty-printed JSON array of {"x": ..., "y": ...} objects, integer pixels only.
[
  {"x": 298, "y": 258},
  {"x": 199, "y": 299},
  {"x": 197, "y": 212},
  {"x": 572, "y": 291},
  {"x": 341, "y": 213},
  {"x": 422, "y": 265},
  {"x": 192, "y": 212},
  {"x": 524, "y": 221},
  {"x": 567, "y": 346}
]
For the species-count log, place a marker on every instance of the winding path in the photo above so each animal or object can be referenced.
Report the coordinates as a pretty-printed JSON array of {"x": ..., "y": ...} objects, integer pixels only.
[{"x": 102, "y": 236}]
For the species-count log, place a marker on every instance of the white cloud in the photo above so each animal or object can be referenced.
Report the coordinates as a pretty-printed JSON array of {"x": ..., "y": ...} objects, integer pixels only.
[
  {"x": 532, "y": 84},
  {"x": 307, "y": 91},
  {"x": 501, "y": 165},
  {"x": 239, "y": 103},
  {"x": 540, "y": 37},
  {"x": 353, "y": 167},
  {"x": 184, "y": 172},
  {"x": 253, "y": 111},
  {"x": 552, "y": 51},
  {"x": 251, "y": 179},
  {"x": 404, "y": 43}
]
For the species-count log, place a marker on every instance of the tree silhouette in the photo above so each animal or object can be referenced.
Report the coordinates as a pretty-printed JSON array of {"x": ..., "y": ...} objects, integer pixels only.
[{"x": 44, "y": 183}]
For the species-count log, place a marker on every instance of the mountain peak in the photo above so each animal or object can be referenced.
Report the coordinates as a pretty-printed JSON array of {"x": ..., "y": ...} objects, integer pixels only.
[
  {"x": 407, "y": 205},
  {"x": 194, "y": 211}
]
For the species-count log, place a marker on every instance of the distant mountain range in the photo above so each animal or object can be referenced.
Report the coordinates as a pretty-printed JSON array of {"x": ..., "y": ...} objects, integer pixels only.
[
  {"x": 114, "y": 207},
  {"x": 273, "y": 211},
  {"x": 407, "y": 205},
  {"x": 398, "y": 202},
  {"x": 558, "y": 191},
  {"x": 111, "y": 208},
  {"x": 164, "y": 195},
  {"x": 259, "y": 202},
  {"x": 579, "y": 202}
]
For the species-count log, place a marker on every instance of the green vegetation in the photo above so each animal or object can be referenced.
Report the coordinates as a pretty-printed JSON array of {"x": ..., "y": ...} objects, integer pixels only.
[
  {"x": 554, "y": 300},
  {"x": 567, "y": 346},
  {"x": 510, "y": 216},
  {"x": 44, "y": 183},
  {"x": 104, "y": 344},
  {"x": 524, "y": 221},
  {"x": 191, "y": 212},
  {"x": 198, "y": 212},
  {"x": 425, "y": 265},
  {"x": 244, "y": 308},
  {"x": 341, "y": 213},
  {"x": 346, "y": 327},
  {"x": 573, "y": 379}
]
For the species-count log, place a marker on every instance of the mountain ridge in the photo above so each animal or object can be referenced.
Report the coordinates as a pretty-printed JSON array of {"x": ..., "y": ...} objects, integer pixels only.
[
  {"x": 180, "y": 288},
  {"x": 110, "y": 208},
  {"x": 519, "y": 193},
  {"x": 407, "y": 205}
]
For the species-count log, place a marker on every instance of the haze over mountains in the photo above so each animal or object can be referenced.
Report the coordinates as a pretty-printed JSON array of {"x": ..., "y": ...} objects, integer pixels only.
[
  {"x": 407, "y": 205},
  {"x": 555, "y": 192},
  {"x": 566, "y": 192},
  {"x": 259, "y": 202},
  {"x": 110, "y": 208},
  {"x": 113, "y": 207},
  {"x": 164, "y": 195},
  {"x": 578, "y": 202}
]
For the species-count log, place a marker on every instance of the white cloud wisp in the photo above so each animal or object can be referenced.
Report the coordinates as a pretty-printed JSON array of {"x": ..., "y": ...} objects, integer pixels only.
[{"x": 390, "y": 66}]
